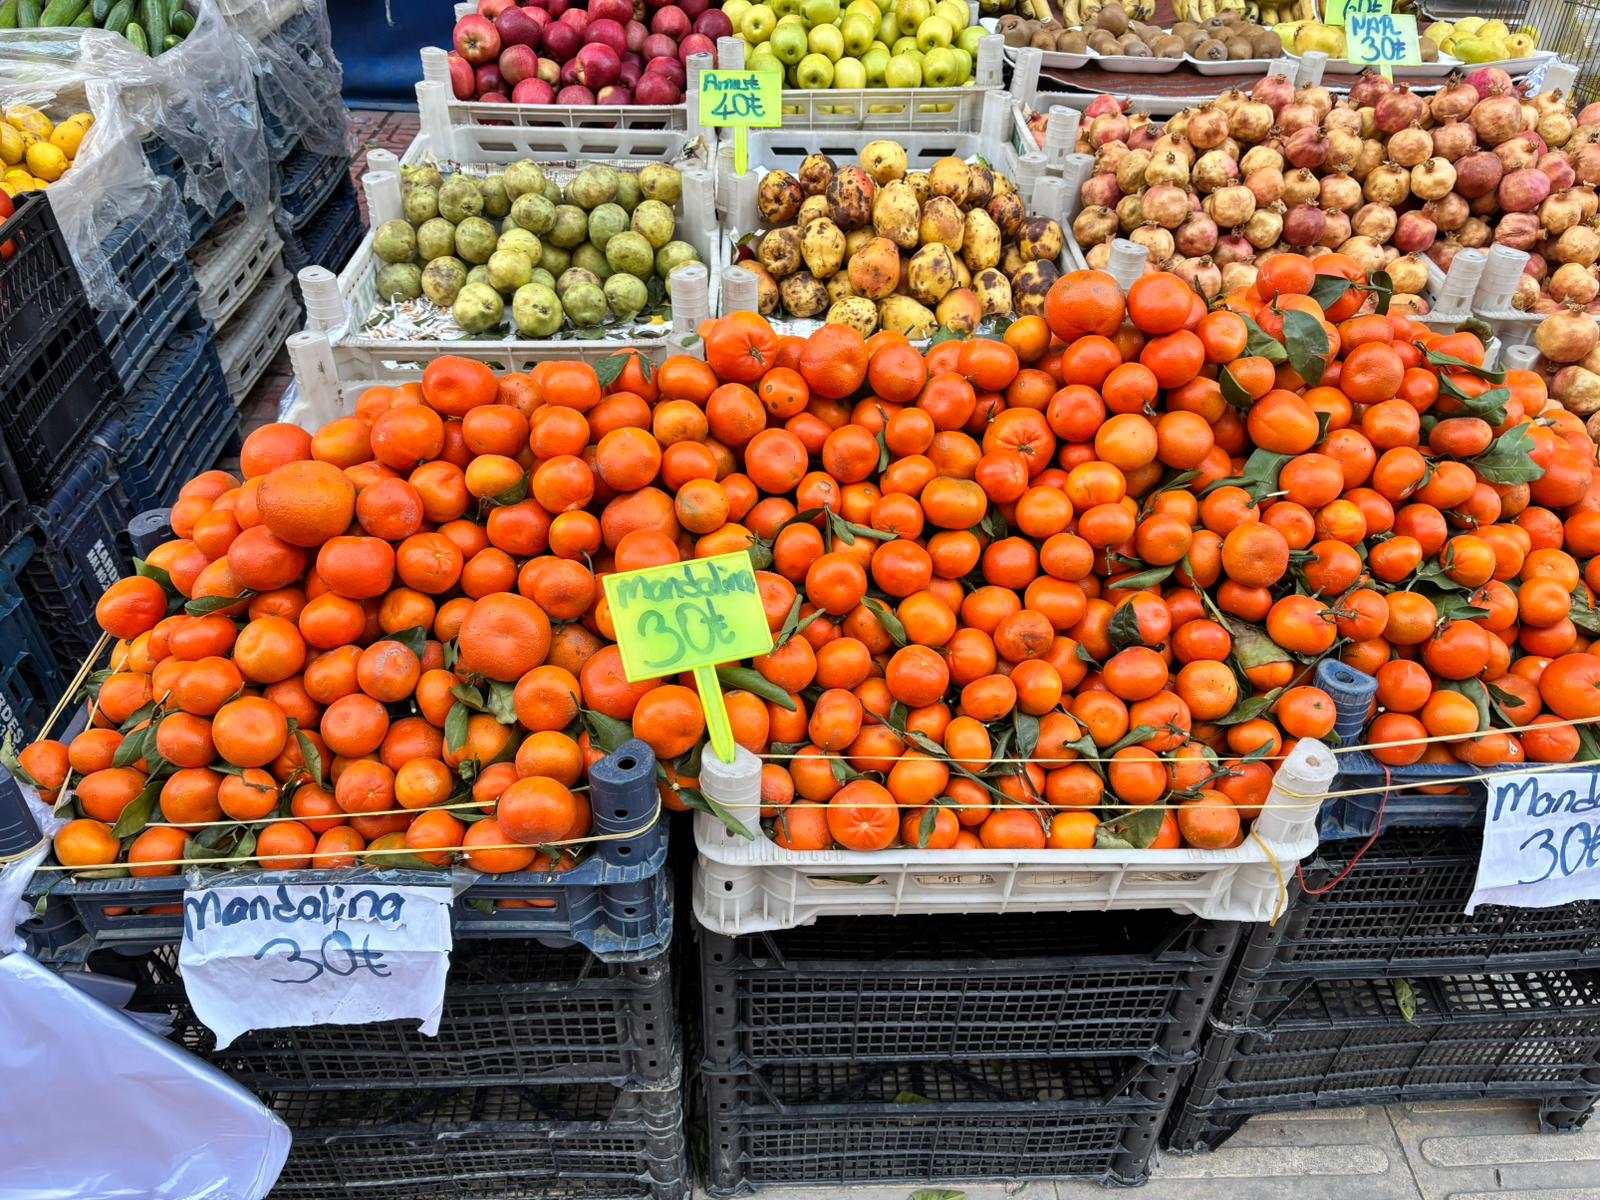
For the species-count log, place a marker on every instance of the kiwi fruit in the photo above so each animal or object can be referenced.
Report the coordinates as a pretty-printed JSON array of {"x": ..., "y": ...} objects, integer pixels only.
[
  {"x": 1071, "y": 41},
  {"x": 1210, "y": 50},
  {"x": 1238, "y": 48},
  {"x": 1167, "y": 47},
  {"x": 1136, "y": 49},
  {"x": 1112, "y": 19},
  {"x": 1265, "y": 44},
  {"x": 1102, "y": 42},
  {"x": 1043, "y": 40},
  {"x": 1192, "y": 41}
]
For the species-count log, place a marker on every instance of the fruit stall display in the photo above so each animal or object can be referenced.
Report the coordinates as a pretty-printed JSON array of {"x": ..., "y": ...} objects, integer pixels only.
[
  {"x": 150, "y": 26},
  {"x": 36, "y": 151}
]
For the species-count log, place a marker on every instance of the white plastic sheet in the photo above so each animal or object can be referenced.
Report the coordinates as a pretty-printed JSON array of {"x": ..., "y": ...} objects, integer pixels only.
[
  {"x": 301, "y": 80},
  {"x": 96, "y": 1108}
]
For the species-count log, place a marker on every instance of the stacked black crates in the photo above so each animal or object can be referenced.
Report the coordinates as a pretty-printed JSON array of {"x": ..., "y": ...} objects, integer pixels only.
[
  {"x": 918, "y": 1050},
  {"x": 1376, "y": 987}
]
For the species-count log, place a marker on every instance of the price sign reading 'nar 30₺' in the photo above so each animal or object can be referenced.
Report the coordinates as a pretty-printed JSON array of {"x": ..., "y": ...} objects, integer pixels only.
[
  {"x": 690, "y": 616},
  {"x": 1541, "y": 840},
  {"x": 1381, "y": 39}
]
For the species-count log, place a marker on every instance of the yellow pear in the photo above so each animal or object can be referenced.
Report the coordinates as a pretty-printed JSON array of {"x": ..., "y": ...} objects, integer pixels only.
[{"x": 1438, "y": 32}]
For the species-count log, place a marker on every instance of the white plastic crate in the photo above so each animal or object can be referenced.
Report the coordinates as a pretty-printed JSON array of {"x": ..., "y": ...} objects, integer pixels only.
[
  {"x": 253, "y": 337},
  {"x": 231, "y": 260},
  {"x": 746, "y": 886}
]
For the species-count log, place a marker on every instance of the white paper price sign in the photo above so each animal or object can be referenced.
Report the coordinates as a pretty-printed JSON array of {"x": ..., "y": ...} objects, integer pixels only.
[
  {"x": 1541, "y": 840},
  {"x": 264, "y": 957}
]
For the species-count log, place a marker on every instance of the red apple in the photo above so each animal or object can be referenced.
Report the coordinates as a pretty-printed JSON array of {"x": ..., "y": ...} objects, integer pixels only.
[
  {"x": 713, "y": 23},
  {"x": 620, "y": 11},
  {"x": 569, "y": 72},
  {"x": 614, "y": 93},
  {"x": 637, "y": 31},
  {"x": 606, "y": 32},
  {"x": 533, "y": 91},
  {"x": 518, "y": 63},
  {"x": 598, "y": 65},
  {"x": 693, "y": 8},
  {"x": 477, "y": 40},
  {"x": 577, "y": 18},
  {"x": 631, "y": 70},
  {"x": 538, "y": 16},
  {"x": 671, "y": 68},
  {"x": 556, "y": 7},
  {"x": 517, "y": 28},
  {"x": 535, "y": 5},
  {"x": 491, "y": 9},
  {"x": 696, "y": 43},
  {"x": 490, "y": 79},
  {"x": 560, "y": 41},
  {"x": 494, "y": 98},
  {"x": 463, "y": 80},
  {"x": 550, "y": 71},
  {"x": 657, "y": 87},
  {"x": 659, "y": 45},
  {"x": 672, "y": 21},
  {"x": 575, "y": 93}
]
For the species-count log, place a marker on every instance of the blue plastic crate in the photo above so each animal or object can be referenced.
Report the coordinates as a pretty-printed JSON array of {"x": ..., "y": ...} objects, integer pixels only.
[
  {"x": 72, "y": 554},
  {"x": 178, "y": 421},
  {"x": 305, "y": 182},
  {"x": 330, "y": 237},
  {"x": 163, "y": 293},
  {"x": 165, "y": 161},
  {"x": 30, "y": 678}
]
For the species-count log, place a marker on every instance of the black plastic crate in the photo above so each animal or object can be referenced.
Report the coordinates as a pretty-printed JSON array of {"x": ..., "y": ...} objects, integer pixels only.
[
  {"x": 162, "y": 292},
  {"x": 31, "y": 680},
  {"x": 925, "y": 1123},
  {"x": 1396, "y": 797},
  {"x": 330, "y": 236},
  {"x": 1397, "y": 906},
  {"x": 586, "y": 1142},
  {"x": 71, "y": 554},
  {"x": 178, "y": 421},
  {"x": 514, "y": 1013},
  {"x": 164, "y": 160},
  {"x": 1343, "y": 1042},
  {"x": 963, "y": 987},
  {"x": 39, "y": 287},
  {"x": 305, "y": 182}
]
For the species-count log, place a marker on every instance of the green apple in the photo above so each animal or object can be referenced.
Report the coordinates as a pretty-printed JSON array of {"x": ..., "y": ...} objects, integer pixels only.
[
  {"x": 874, "y": 61},
  {"x": 964, "y": 61},
  {"x": 903, "y": 71},
  {"x": 953, "y": 11},
  {"x": 785, "y": 8},
  {"x": 849, "y": 73},
  {"x": 885, "y": 6},
  {"x": 939, "y": 67},
  {"x": 826, "y": 39},
  {"x": 888, "y": 27},
  {"x": 758, "y": 24},
  {"x": 814, "y": 72},
  {"x": 762, "y": 60},
  {"x": 735, "y": 10},
  {"x": 789, "y": 42},
  {"x": 866, "y": 8},
  {"x": 934, "y": 32},
  {"x": 969, "y": 38},
  {"x": 904, "y": 45},
  {"x": 911, "y": 13},
  {"x": 858, "y": 33},
  {"x": 819, "y": 12}
]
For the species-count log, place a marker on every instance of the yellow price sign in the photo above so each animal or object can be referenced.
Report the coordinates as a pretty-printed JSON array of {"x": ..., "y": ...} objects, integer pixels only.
[
  {"x": 690, "y": 616},
  {"x": 741, "y": 100},
  {"x": 1382, "y": 39},
  {"x": 1339, "y": 9}
]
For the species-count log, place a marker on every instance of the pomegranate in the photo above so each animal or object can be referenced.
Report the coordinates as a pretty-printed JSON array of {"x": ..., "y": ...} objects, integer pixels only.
[
  {"x": 1105, "y": 103},
  {"x": 1260, "y": 158},
  {"x": 1488, "y": 81},
  {"x": 1265, "y": 184},
  {"x": 1453, "y": 101},
  {"x": 1523, "y": 191},
  {"x": 1208, "y": 128},
  {"x": 1444, "y": 252},
  {"x": 1588, "y": 201},
  {"x": 1101, "y": 189},
  {"x": 1130, "y": 213},
  {"x": 1144, "y": 133},
  {"x": 1203, "y": 275},
  {"x": 1520, "y": 152},
  {"x": 1474, "y": 233},
  {"x": 1196, "y": 236},
  {"x": 1397, "y": 110},
  {"x": 1237, "y": 275},
  {"x": 1304, "y": 225},
  {"x": 1230, "y": 207},
  {"x": 1111, "y": 156},
  {"x": 1590, "y": 115},
  {"x": 1496, "y": 118},
  {"x": 1365, "y": 251},
  {"x": 1306, "y": 148},
  {"x": 1340, "y": 192},
  {"x": 1344, "y": 149},
  {"x": 1574, "y": 282},
  {"x": 1301, "y": 187},
  {"x": 1587, "y": 164},
  {"x": 1478, "y": 174},
  {"x": 1432, "y": 180},
  {"x": 1111, "y": 127},
  {"x": 1580, "y": 244},
  {"x": 1375, "y": 221},
  {"x": 1449, "y": 212},
  {"x": 1556, "y": 127},
  {"x": 1212, "y": 170},
  {"x": 1559, "y": 213},
  {"x": 1264, "y": 227},
  {"x": 1567, "y": 335},
  {"x": 1319, "y": 98},
  {"x": 1345, "y": 118},
  {"x": 1232, "y": 248},
  {"x": 1369, "y": 88},
  {"x": 1166, "y": 205},
  {"x": 1410, "y": 146},
  {"x": 1453, "y": 141},
  {"x": 1414, "y": 234},
  {"x": 1156, "y": 240},
  {"x": 1167, "y": 168},
  {"x": 1099, "y": 257},
  {"x": 1408, "y": 273},
  {"x": 1130, "y": 171},
  {"x": 1250, "y": 122},
  {"x": 1370, "y": 158},
  {"x": 1094, "y": 224},
  {"x": 1274, "y": 91},
  {"x": 1295, "y": 117},
  {"x": 1557, "y": 168},
  {"x": 1388, "y": 184},
  {"x": 1518, "y": 230},
  {"x": 1336, "y": 232}
]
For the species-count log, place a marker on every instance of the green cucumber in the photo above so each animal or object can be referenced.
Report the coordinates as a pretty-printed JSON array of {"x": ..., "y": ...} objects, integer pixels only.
[
  {"x": 28, "y": 14},
  {"x": 8, "y": 14},
  {"x": 119, "y": 16},
  {"x": 135, "y": 34},
  {"x": 172, "y": 40},
  {"x": 155, "y": 23},
  {"x": 61, "y": 12},
  {"x": 183, "y": 23},
  {"x": 100, "y": 8},
  {"x": 174, "y": 7},
  {"x": 85, "y": 20}
]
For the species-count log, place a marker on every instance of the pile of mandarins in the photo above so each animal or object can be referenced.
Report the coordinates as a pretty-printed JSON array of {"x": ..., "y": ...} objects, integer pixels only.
[{"x": 1061, "y": 588}]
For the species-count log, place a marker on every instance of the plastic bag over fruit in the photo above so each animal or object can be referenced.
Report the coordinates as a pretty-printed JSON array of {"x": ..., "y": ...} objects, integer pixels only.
[
  {"x": 109, "y": 181},
  {"x": 198, "y": 98},
  {"x": 300, "y": 82}
]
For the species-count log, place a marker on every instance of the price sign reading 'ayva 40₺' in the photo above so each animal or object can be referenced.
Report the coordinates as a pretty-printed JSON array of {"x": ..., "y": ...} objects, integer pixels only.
[
  {"x": 741, "y": 100},
  {"x": 690, "y": 616}
]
